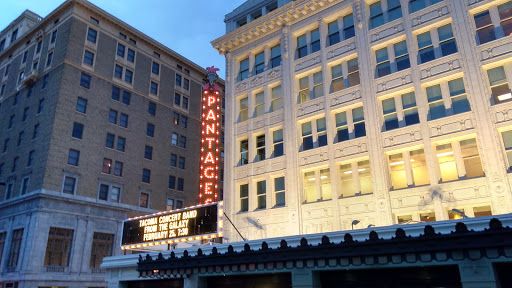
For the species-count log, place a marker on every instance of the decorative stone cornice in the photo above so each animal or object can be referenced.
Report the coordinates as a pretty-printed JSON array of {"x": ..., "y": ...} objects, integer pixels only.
[{"x": 270, "y": 23}]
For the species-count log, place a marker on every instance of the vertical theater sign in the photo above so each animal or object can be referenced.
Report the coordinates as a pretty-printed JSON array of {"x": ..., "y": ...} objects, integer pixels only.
[{"x": 209, "y": 178}]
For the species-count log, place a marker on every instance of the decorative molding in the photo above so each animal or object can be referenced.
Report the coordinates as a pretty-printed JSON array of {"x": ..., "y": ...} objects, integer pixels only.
[
  {"x": 315, "y": 157},
  {"x": 307, "y": 63},
  {"x": 350, "y": 150},
  {"x": 497, "y": 50},
  {"x": 402, "y": 138},
  {"x": 393, "y": 83},
  {"x": 385, "y": 33},
  {"x": 447, "y": 128},
  {"x": 341, "y": 50},
  {"x": 338, "y": 100},
  {"x": 430, "y": 16},
  {"x": 440, "y": 68},
  {"x": 308, "y": 108},
  {"x": 256, "y": 81}
]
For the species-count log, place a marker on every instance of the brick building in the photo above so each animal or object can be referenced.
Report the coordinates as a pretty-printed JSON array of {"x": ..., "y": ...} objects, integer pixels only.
[{"x": 98, "y": 122}]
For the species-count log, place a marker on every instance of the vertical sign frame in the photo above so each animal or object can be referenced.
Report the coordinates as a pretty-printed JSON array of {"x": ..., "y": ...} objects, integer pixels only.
[{"x": 210, "y": 123}]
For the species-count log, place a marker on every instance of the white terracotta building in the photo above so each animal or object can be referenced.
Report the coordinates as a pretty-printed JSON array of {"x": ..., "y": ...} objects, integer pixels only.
[{"x": 377, "y": 111}]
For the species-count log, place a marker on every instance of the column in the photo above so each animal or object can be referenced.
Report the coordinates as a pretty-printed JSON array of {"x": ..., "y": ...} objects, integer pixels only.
[{"x": 477, "y": 273}]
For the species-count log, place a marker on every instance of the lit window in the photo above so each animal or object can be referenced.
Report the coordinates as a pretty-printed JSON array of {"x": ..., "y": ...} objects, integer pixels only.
[
  {"x": 261, "y": 192},
  {"x": 482, "y": 211},
  {"x": 244, "y": 109},
  {"x": 276, "y": 103},
  {"x": 244, "y": 152},
  {"x": 259, "y": 100},
  {"x": 58, "y": 247},
  {"x": 307, "y": 92},
  {"x": 507, "y": 141},
  {"x": 470, "y": 163},
  {"x": 170, "y": 204},
  {"x": 500, "y": 89},
  {"x": 341, "y": 79},
  {"x": 244, "y": 197},
  {"x": 413, "y": 161},
  {"x": 102, "y": 245},
  {"x": 356, "y": 179},
  {"x": 144, "y": 200},
  {"x": 107, "y": 164},
  {"x": 317, "y": 185}
]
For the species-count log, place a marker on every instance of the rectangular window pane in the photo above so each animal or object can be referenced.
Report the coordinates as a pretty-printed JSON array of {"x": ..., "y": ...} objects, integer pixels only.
[
  {"x": 419, "y": 167},
  {"x": 347, "y": 182},
  {"x": 397, "y": 168},
  {"x": 310, "y": 186},
  {"x": 471, "y": 157},
  {"x": 446, "y": 160}
]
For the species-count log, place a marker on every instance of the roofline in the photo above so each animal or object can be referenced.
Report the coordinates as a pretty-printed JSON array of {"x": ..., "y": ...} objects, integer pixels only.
[{"x": 18, "y": 19}]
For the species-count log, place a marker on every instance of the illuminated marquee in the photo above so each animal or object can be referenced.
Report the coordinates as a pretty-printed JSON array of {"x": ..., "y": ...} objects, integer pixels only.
[
  {"x": 192, "y": 223},
  {"x": 209, "y": 177}
]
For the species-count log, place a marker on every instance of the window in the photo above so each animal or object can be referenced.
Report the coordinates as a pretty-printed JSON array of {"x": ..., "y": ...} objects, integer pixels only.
[
  {"x": 73, "y": 157},
  {"x": 505, "y": 12},
  {"x": 344, "y": 75},
  {"x": 244, "y": 197},
  {"x": 413, "y": 161},
  {"x": 30, "y": 158},
  {"x": 465, "y": 163},
  {"x": 181, "y": 163},
  {"x": 244, "y": 69},
  {"x": 128, "y": 76},
  {"x": 317, "y": 185},
  {"x": 154, "y": 88},
  {"x": 305, "y": 94},
  {"x": 112, "y": 116},
  {"x": 259, "y": 63},
  {"x": 25, "y": 55},
  {"x": 174, "y": 158},
  {"x": 25, "y": 114},
  {"x": 126, "y": 97},
  {"x": 507, "y": 142},
  {"x": 356, "y": 179},
  {"x": 108, "y": 192},
  {"x": 244, "y": 109},
  {"x": 310, "y": 131},
  {"x": 261, "y": 193},
  {"x": 439, "y": 104},
  {"x": 2, "y": 90},
  {"x": 152, "y": 108},
  {"x": 85, "y": 80},
  {"x": 131, "y": 55},
  {"x": 378, "y": 17},
  {"x": 482, "y": 211},
  {"x": 302, "y": 46},
  {"x": 279, "y": 191},
  {"x": 172, "y": 182},
  {"x": 3, "y": 235},
  {"x": 183, "y": 141},
  {"x": 41, "y": 106},
  {"x": 485, "y": 30},
  {"x": 118, "y": 71},
  {"x": 260, "y": 147},
  {"x": 58, "y": 247},
  {"x": 275, "y": 56},
  {"x": 276, "y": 103},
  {"x": 121, "y": 142},
  {"x": 109, "y": 142},
  {"x": 178, "y": 80},
  {"x": 14, "y": 251},
  {"x": 69, "y": 184},
  {"x": 244, "y": 152},
  {"x": 447, "y": 44},
  {"x": 416, "y": 5},
  {"x": 333, "y": 29},
  {"x": 148, "y": 152},
  {"x": 39, "y": 46},
  {"x": 176, "y": 118},
  {"x": 155, "y": 68},
  {"x": 186, "y": 83},
  {"x": 400, "y": 111},
  {"x": 401, "y": 56},
  {"x": 118, "y": 168},
  {"x": 123, "y": 120},
  {"x": 9, "y": 191},
  {"x": 91, "y": 35},
  {"x": 181, "y": 184},
  {"x": 15, "y": 164},
  {"x": 45, "y": 81},
  {"x": 146, "y": 176},
  {"x": 24, "y": 185},
  {"x": 259, "y": 102},
  {"x": 177, "y": 99},
  {"x": 150, "y": 130},
  {"x": 107, "y": 164},
  {"x": 36, "y": 131},
  {"x": 78, "y": 130},
  {"x": 184, "y": 121},
  {"x": 102, "y": 244},
  {"x": 184, "y": 105},
  {"x": 170, "y": 204},
  {"x": 11, "y": 121},
  {"x": 174, "y": 139},
  {"x": 6, "y": 144},
  {"x": 120, "y": 50},
  {"x": 2, "y": 45},
  {"x": 49, "y": 59},
  {"x": 278, "y": 143},
  {"x": 88, "y": 57},
  {"x": 499, "y": 85}
]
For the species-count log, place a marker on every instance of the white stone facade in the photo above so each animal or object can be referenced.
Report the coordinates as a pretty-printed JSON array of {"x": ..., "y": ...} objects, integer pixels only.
[{"x": 331, "y": 211}]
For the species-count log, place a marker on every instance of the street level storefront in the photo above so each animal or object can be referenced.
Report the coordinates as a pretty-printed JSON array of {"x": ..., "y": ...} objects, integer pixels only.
[{"x": 470, "y": 253}]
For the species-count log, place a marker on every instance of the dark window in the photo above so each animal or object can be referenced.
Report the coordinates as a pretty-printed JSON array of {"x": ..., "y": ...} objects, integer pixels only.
[
  {"x": 146, "y": 176},
  {"x": 73, "y": 157},
  {"x": 177, "y": 99},
  {"x": 172, "y": 182},
  {"x": 121, "y": 141},
  {"x": 11, "y": 121},
  {"x": 25, "y": 114},
  {"x": 120, "y": 49},
  {"x": 118, "y": 72},
  {"x": 36, "y": 131},
  {"x": 69, "y": 185},
  {"x": 58, "y": 247},
  {"x": 173, "y": 160},
  {"x": 315, "y": 40},
  {"x": 150, "y": 130},
  {"x": 54, "y": 36},
  {"x": 20, "y": 137},
  {"x": 186, "y": 83},
  {"x": 85, "y": 81},
  {"x": 91, "y": 35},
  {"x": 49, "y": 59},
  {"x": 30, "y": 158},
  {"x": 302, "y": 46},
  {"x": 116, "y": 93},
  {"x": 131, "y": 55},
  {"x": 183, "y": 141},
  {"x": 102, "y": 244},
  {"x": 144, "y": 200},
  {"x": 154, "y": 88},
  {"x": 112, "y": 116},
  {"x": 126, "y": 97},
  {"x": 14, "y": 36},
  {"x": 152, "y": 108},
  {"x": 14, "y": 251},
  {"x": 25, "y": 55},
  {"x": 185, "y": 102},
  {"x": 45, "y": 81},
  {"x": 156, "y": 68},
  {"x": 123, "y": 120},
  {"x": 128, "y": 76},
  {"x": 148, "y": 152},
  {"x": 88, "y": 57},
  {"x": 118, "y": 169},
  {"x": 109, "y": 142},
  {"x": 39, "y": 46},
  {"x": 181, "y": 184},
  {"x": 15, "y": 164},
  {"x": 41, "y": 106},
  {"x": 181, "y": 163},
  {"x": 184, "y": 121},
  {"x": 178, "y": 80},
  {"x": 78, "y": 130},
  {"x": 81, "y": 105}
]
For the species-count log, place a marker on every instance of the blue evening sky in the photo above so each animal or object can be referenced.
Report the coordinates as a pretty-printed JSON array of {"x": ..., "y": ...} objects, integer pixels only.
[{"x": 185, "y": 26}]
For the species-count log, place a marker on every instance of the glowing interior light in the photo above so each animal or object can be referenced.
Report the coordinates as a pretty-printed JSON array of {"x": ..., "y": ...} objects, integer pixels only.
[
  {"x": 445, "y": 154},
  {"x": 505, "y": 96},
  {"x": 399, "y": 162},
  {"x": 311, "y": 179}
]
